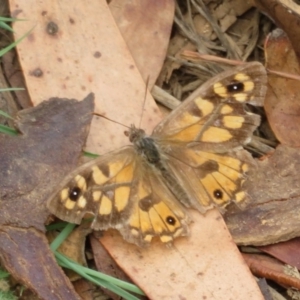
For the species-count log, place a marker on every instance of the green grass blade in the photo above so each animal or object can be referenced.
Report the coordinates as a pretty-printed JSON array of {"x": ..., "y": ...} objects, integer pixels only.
[
  {"x": 12, "y": 45},
  {"x": 8, "y": 19},
  {"x": 7, "y": 295},
  {"x": 12, "y": 89},
  {"x": 4, "y": 114},
  {"x": 3, "y": 274},
  {"x": 89, "y": 154},
  {"x": 68, "y": 263},
  {"x": 115, "y": 285},
  {"x": 7, "y": 130},
  {"x": 62, "y": 236},
  {"x": 5, "y": 26}
]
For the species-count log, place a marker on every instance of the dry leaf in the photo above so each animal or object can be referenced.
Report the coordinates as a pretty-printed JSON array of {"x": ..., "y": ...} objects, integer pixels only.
[
  {"x": 88, "y": 291},
  {"x": 106, "y": 264},
  {"x": 74, "y": 247},
  {"x": 286, "y": 14},
  {"x": 287, "y": 252},
  {"x": 282, "y": 104},
  {"x": 146, "y": 28}
]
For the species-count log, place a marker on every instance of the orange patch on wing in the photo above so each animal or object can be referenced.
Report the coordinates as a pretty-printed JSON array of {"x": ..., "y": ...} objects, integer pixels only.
[
  {"x": 157, "y": 222},
  {"x": 221, "y": 159},
  {"x": 105, "y": 206},
  {"x": 121, "y": 197},
  {"x": 69, "y": 204},
  {"x": 185, "y": 119},
  {"x": 216, "y": 135},
  {"x": 240, "y": 196},
  {"x": 122, "y": 193},
  {"x": 227, "y": 185},
  {"x": 205, "y": 106},
  {"x": 145, "y": 223},
  {"x": 220, "y": 90},
  {"x": 226, "y": 109},
  {"x": 64, "y": 194},
  {"x": 230, "y": 172},
  {"x": 241, "y": 97},
  {"x": 187, "y": 134},
  {"x": 164, "y": 211},
  {"x": 211, "y": 185},
  {"x": 96, "y": 195},
  {"x": 98, "y": 176},
  {"x": 233, "y": 122},
  {"x": 81, "y": 182},
  {"x": 134, "y": 220}
]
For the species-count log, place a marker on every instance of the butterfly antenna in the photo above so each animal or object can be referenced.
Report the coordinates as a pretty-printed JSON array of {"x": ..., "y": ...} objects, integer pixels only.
[
  {"x": 144, "y": 102},
  {"x": 104, "y": 117}
]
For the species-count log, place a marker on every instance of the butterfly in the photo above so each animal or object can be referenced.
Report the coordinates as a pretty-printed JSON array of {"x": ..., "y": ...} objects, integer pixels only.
[{"x": 189, "y": 161}]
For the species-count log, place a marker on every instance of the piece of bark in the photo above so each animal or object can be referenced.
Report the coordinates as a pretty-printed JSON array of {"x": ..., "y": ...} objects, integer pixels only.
[
  {"x": 273, "y": 214},
  {"x": 26, "y": 255},
  {"x": 48, "y": 147},
  {"x": 32, "y": 163}
]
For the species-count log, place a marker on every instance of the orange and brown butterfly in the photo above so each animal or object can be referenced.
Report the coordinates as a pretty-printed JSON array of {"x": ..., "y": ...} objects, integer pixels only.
[{"x": 143, "y": 189}]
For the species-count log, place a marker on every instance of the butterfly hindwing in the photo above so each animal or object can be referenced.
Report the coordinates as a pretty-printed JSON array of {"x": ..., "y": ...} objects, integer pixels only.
[
  {"x": 208, "y": 179},
  {"x": 156, "y": 212}
]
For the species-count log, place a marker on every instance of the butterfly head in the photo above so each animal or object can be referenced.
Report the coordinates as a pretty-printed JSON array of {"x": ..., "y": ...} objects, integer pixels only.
[{"x": 135, "y": 134}]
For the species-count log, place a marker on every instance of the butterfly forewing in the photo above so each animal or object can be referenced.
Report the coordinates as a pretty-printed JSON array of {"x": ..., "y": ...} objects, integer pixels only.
[
  {"x": 100, "y": 187},
  {"x": 120, "y": 192},
  {"x": 214, "y": 116}
]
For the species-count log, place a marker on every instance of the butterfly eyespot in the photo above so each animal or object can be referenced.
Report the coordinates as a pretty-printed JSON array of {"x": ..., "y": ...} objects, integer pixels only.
[
  {"x": 218, "y": 194},
  {"x": 74, "y": 193},
  {"x": 235, "y": 87},
  {"x": 171, "y": 220}
]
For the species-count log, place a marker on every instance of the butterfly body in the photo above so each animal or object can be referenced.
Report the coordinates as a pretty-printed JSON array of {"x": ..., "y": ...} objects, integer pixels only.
[{"x": 190, "y": 160}]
